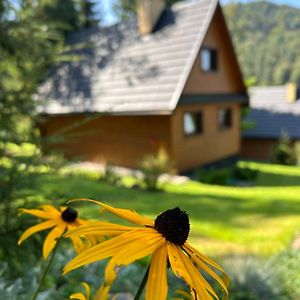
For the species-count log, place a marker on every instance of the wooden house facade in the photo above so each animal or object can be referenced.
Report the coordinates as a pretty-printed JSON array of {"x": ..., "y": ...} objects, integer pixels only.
[{"x": 177, "y": 86}]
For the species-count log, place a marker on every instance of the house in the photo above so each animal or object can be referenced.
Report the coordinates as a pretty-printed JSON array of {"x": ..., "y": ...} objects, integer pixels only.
[
  {"x": 274, "y": 110},
  {"x": 169, "y": 79}
]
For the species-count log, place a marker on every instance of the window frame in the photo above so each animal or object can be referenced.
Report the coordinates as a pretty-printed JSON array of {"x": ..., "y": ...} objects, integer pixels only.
[
  {"x": 213, "y": 56},
  {"x": 198, "y": 114},
  {"x": 224, "y": 126}
]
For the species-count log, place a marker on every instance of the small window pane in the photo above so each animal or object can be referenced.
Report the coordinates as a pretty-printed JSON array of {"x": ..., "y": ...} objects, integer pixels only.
[
  {"x": 209, "y": 59},
  {"x": 192, "y": 123},
  {"x": 205, "y": 60},
  {"x": 224, "y": 118}
]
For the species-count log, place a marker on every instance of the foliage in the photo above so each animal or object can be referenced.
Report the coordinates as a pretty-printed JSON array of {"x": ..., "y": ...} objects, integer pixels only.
[
  {"x": 284, "y": 152},
  {"x": 287, "y": 265},
  {"x": 152, "y": 167},
  {"x": 226, "y": 176},
  {"x": 254, "y": 279},
  {"x": 127, "y": 8},
  {"x": 218, "y": 176},
  {"x": 70, "y": 15},
  {"x": 111, "y": 176},
  {"x": 244, "y": 173},
  {"x": 31, "y": 40},
  {"x": 267, "y": 40}
]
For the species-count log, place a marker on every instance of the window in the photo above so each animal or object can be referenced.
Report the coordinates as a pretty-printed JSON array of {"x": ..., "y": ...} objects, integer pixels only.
[
  {"x": 192, "y": 123},
  {"x": 224, "y": 118},
  {"x": 208, "y": 58}
]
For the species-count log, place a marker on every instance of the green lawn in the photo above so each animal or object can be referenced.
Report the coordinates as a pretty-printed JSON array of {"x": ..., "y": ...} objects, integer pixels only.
[{"x": 261, "y": 220}]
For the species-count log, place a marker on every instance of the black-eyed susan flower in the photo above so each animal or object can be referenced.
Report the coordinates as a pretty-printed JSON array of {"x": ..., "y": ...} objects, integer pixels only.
[
  {"x": 60, "y": 220},
  {"x": 101, "y": 294},
  {"x": 165, "y": 238}
]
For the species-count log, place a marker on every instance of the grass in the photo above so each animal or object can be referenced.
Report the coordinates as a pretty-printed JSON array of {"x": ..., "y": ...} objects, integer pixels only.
[{"x": 259, "y": 220}]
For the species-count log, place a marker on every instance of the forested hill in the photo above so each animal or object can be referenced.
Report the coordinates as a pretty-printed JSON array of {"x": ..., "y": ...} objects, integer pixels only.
[{"x": 267, "y": 40}]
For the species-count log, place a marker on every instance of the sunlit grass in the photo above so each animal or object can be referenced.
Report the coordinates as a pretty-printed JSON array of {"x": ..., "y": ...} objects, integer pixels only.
[{"x": 259, "y": 220}]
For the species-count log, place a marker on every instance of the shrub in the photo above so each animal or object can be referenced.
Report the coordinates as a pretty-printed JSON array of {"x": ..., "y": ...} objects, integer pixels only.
[
  {"x": 284, "y": 152},
  {"x": 110, "y": 175},
  {"x": 214, "y": 176},
  {"x": 152, "y": 166},
  {"x": 287, "y": 265},
  {"x": 244, "y": 173},
  {"x": 254, "y": 279}
]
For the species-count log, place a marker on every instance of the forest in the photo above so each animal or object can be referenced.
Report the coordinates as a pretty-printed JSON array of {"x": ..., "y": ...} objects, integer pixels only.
[{"x": 267, "y": 41}]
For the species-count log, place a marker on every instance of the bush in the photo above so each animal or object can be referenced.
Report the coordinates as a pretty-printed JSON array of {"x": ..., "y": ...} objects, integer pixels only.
[
  {"x": 284, "y": 152},
  {"x": 214, "y": 176},
  {"x": 287, "y": 265},
  {"x": 244, "y": 173},
  {"x": 110, "y": 176},
  {"x": 152, "y": 166},
  {"x": 254, "y": 279}
]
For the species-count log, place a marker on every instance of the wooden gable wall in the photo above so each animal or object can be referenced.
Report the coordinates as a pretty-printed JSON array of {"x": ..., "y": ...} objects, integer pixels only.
[{"x": 227, "y": 78}]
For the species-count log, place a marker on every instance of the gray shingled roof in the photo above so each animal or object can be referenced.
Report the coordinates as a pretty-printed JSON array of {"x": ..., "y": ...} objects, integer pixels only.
[
  {"x": 123, "y": 73},
  {"x": 272, "y": 114}
]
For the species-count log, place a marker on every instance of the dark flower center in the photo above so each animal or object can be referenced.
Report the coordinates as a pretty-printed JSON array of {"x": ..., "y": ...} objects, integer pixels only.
[
  {"x": 174, "y": 225},
  {"x": 69, "y": 215}
]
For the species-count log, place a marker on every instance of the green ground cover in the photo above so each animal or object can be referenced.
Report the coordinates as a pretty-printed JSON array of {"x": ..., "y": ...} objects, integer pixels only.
[{"x": 259, "y": 220}]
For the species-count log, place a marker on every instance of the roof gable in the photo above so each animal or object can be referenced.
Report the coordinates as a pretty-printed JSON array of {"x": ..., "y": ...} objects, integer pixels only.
[{"x": 120, "y": 72}]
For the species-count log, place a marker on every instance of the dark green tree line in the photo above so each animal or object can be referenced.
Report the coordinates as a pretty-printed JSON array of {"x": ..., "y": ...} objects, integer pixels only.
[
  {"x": 127, "y": 8},
  {"x": 267, "y": 39}
]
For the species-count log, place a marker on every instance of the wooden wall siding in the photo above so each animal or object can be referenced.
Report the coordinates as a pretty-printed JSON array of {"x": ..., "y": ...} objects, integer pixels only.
[
  {"x": 227, "y": 78},
  {"x": 121, "y": 140},
  {"x": 257, "y": 148},
  {"x": 212, "y": 145}
]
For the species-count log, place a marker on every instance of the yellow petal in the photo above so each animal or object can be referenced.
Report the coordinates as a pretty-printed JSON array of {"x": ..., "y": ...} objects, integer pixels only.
[
  {"x": 200, "y": 264},
  {"x": 105, "y": 249},
  {"x": 87, "y": 289},
  {"x": 129, "y": 215},
  {"x": 185, "y": 294},
  {"x": 224, "y": 282},
  {"x": 203, "y": 257},
  {"x": 98, "y": 228},
  {"x": 157, "y": 286},
  {"x": 183, "y": 268},
  {"x": 78, "y": 296},
  {"x": 36, "y": 228},
  {"x": 81, "y": 296},
  {"x": 102, "y": 293},
  {"x": 36, "y": 212},
  {"x": 51, "y": 209},
  {"x": 51, "y": 238},
  {"x": 78, "y": 244},
  {"x": 144, "y": 244}
]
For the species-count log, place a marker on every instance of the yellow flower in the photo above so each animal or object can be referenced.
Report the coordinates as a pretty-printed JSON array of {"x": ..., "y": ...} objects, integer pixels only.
[
  {"x": 185, "y": 295},
  {"x": 165, "y": 238},
  {"x": 62, "y": 220},
  {"x": 101, "y": 294}
]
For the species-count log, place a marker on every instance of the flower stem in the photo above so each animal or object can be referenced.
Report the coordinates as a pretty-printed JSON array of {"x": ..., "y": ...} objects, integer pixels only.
[
  {"x": 45, "y": 272},
  {"x": 142, "y": 285}
]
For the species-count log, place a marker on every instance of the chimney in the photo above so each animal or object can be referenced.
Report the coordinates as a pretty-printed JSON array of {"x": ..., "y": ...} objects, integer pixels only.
[
  {"x": 291, "y": 92},
  {"x": 149, "y": 12}
]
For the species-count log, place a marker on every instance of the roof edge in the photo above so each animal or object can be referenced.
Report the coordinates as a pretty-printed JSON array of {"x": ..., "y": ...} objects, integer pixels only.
[
  {"x": 214, "y": 98},
  {"x": 193, "y": 56},
  {"x": 108, "y": 113}
]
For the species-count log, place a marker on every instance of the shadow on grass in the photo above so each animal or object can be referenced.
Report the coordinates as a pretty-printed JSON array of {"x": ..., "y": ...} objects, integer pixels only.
[{"x": 201, "y": 206}]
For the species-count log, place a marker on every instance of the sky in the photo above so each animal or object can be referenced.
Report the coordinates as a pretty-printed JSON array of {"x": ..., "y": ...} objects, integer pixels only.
[{"x": 109, "y": 17}]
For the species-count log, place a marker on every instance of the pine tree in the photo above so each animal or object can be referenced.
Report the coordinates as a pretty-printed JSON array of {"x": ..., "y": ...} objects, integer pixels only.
[{"x": 88, "y": 14}]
